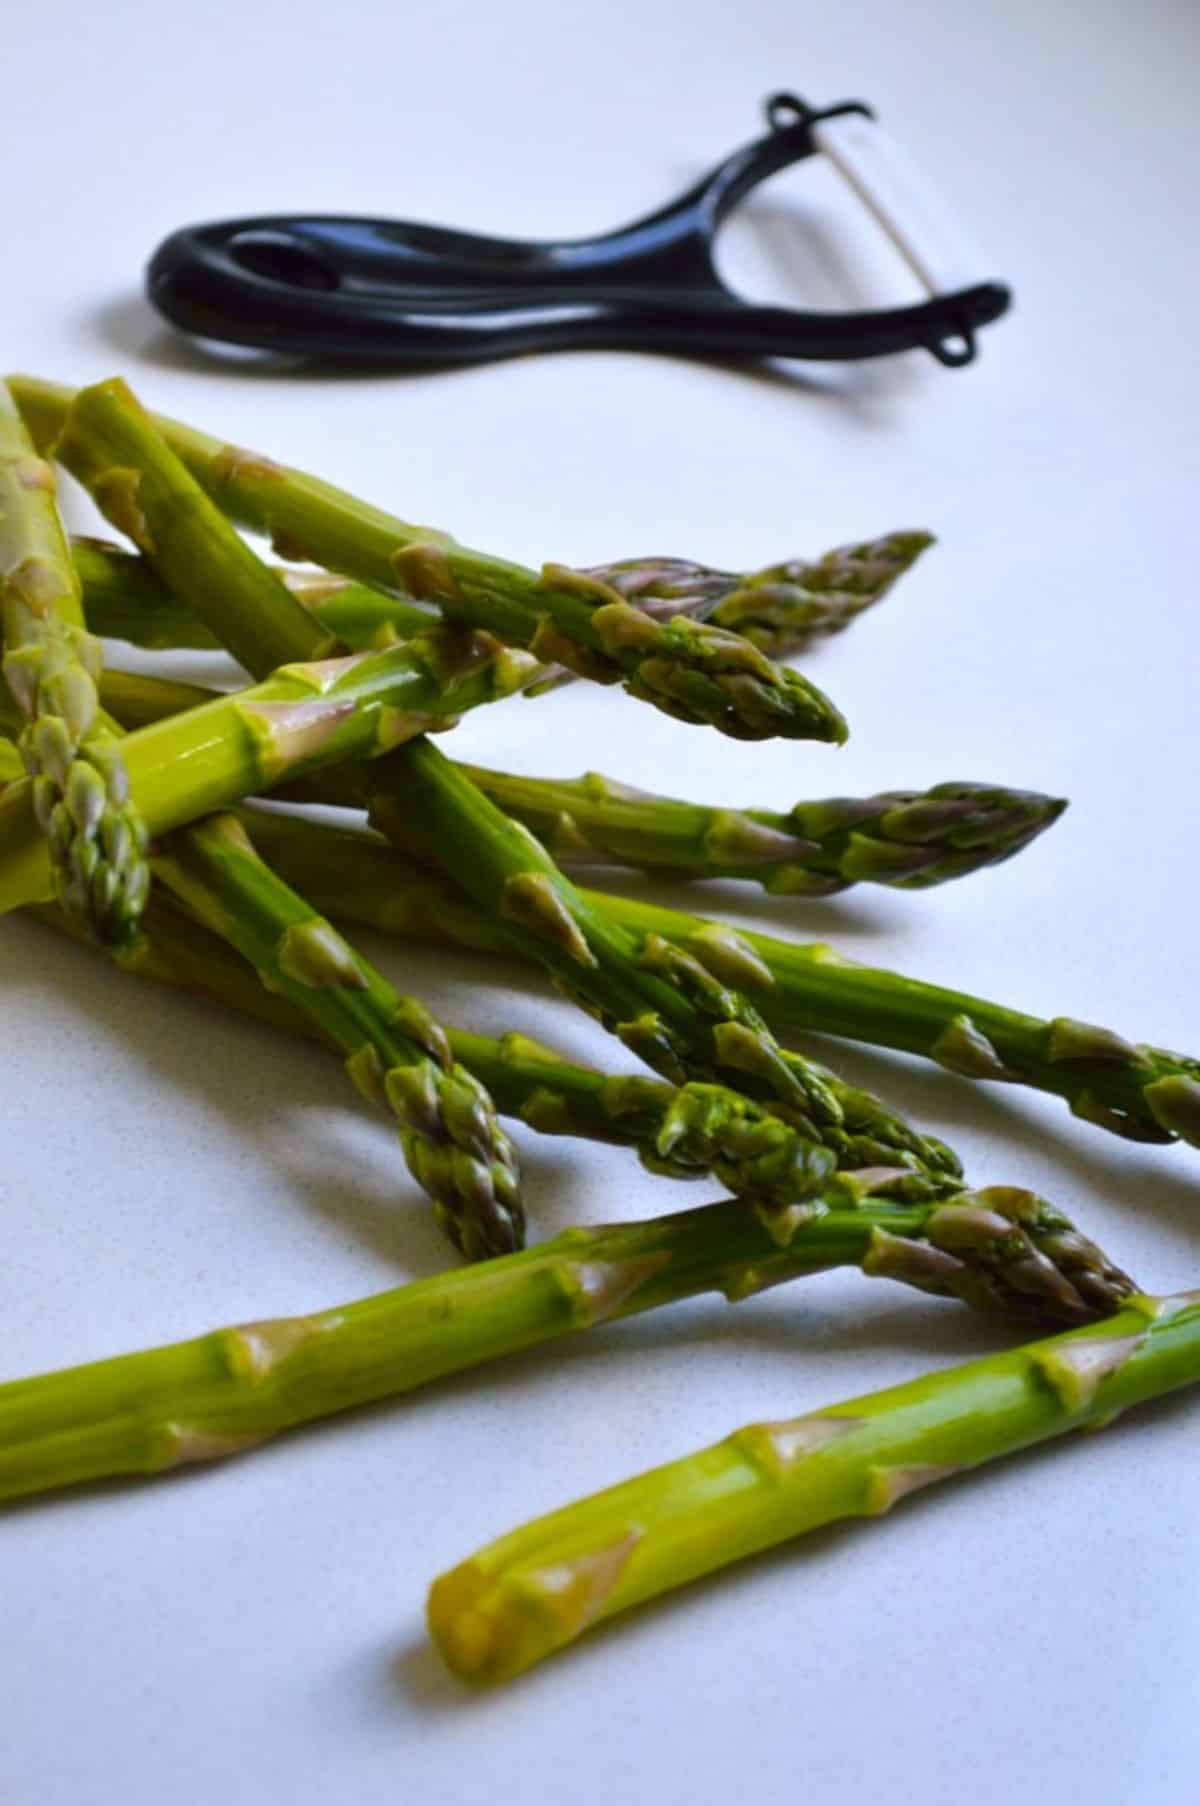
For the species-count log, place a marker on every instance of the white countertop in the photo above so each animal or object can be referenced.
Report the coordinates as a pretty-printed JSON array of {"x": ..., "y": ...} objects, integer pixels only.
[{"x": 253, "y": 1632}]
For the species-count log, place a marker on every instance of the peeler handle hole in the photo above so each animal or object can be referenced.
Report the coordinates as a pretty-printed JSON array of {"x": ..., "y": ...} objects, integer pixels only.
[
  {"x": 784, "y": 110},
  {"x": 955, "y": 349}
]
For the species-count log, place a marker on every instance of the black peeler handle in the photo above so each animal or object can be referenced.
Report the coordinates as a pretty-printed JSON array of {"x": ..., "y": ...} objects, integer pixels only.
[{"x": 393, "y": 292}]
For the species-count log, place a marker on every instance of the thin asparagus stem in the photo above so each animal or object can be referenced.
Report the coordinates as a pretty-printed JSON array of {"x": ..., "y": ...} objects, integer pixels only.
[
  {"x": 905, "y": 838},
  {"x": 543, "y": 1585},
  {"x": 225, "y": 1392},
  {"x": 686, "y": 668},
  {"x": 396, "y": 1053},
  {"x": 94, "y": 842},
  {"x": 124, "y": 598}
]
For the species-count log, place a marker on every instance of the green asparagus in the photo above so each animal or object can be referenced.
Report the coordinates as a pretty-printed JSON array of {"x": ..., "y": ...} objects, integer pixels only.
[
  {"x": 1135, "y": 1090},
  {"x": 543, "y": 1585},
  {"x": 905, "y": 838},
  {"x": 686, "y": 668},
  {"x": 302, "y": 717},
  {"x": 94, "y": 843},
  {"x": 686, "y": 1018},
  {"x": 225, "y": 1392},
  {"x": 781, "y": 609},
  {"x": 395, "y": 1052}
]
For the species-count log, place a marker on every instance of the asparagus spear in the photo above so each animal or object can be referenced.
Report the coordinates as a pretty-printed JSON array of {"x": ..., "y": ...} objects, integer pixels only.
[
  {"x": 94, "y": 842},
  {"x": 543, "y": 1585},
  {"x": 396, "y": 1053},
  {"x": 686, "y": 668},
  {"x": 780, "y": 609},
  {"x": 1138, "y": 1091},
  {"x": 302, "y": 717},
  {"x": 906, "y": 838},
  {"x": 222, "y": 1393},
  {"x": 683, "y": 1017},
  {"x": 125, "y": 599}
]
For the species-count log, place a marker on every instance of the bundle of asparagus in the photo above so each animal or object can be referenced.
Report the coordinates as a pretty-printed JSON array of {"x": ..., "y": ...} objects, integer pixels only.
[{"x": 128, "y": 816}]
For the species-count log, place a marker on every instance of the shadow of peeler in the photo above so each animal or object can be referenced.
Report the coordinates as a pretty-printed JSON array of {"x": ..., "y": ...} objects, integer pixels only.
[{"x": 327, "y": 287}]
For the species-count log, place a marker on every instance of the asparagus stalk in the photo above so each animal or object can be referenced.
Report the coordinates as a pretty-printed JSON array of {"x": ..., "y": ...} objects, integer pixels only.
[
  {"x": 686, "y": 668},
  {"x": 1136, "y": 1090},
  {"x": 905, "y": 838},
  {"x": 683, "y": 1017},
  {"x": 300, "y": 718},
  {"x": 112, "y": 447},
  {"x": 225, "y": 1392},
  {"x": 125, "y": 599},
  {"x": 780, "y": 609},
  {"x": 396, "y": 1053},
  {"x": 94, "y": 842},
  {"x": 539, "y": 1588}
]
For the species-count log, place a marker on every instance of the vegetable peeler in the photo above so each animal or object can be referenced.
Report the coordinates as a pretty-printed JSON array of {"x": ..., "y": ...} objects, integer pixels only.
[{"x": 392, "y": 292}]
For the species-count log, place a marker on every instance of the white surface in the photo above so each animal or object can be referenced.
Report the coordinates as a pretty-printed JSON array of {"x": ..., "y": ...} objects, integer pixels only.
[{"x": 254, "y": 1632}]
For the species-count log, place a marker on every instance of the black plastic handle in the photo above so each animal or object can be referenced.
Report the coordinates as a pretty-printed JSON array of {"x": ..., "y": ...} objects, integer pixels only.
[{"x": 394, "y": 292}]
